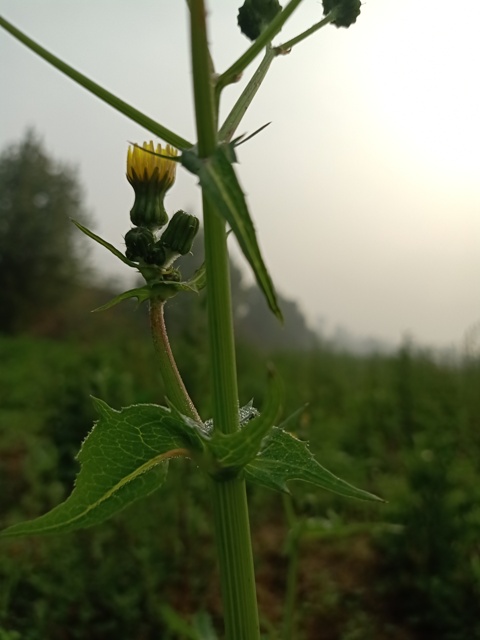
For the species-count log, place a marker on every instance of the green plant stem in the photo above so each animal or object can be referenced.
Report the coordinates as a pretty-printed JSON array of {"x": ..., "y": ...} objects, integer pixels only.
[
  {"x": 234, "y": 552},
  {"x": 287, "y": 46},
  {"x": 220, "y": 323},
  {"x": 240, "y": 107},
  {"x": 174, "y": 386},
  {"x": 231, "y": 522},
  {"x": 115, "y": 102},
  {"x": 205, "y": 116},
  {"x": 237, "y": 68}
]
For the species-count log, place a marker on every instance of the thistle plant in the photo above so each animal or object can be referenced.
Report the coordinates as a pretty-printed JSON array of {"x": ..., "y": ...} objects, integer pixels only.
[{"x": 126, "y": 455}]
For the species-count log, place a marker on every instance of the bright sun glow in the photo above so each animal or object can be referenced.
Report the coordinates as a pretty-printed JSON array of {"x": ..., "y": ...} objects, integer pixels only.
[{"x": 426, "y": 84}]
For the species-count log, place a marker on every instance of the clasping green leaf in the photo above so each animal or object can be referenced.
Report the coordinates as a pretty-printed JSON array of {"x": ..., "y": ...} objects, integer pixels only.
[
  {"x": 219, "y": 181},
  {"x": 124, "y": 458},
  {"x": 283, "y": 458},
  {"x": 235, "y": 450}
]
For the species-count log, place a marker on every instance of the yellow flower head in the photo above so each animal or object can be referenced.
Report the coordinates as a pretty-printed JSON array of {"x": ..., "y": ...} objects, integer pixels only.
[
  {"x": 151, "y": 177},
  {"x": 143, "y": 166}
]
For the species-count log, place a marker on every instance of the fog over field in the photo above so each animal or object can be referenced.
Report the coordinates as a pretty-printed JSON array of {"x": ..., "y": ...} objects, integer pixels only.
[{"x": 364, "y": 189}]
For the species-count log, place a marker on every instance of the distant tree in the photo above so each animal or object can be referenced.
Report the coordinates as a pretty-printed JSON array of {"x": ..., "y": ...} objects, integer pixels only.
[
  {"x": 40, "y": 249},
  {"x": 254, "y": 322}
]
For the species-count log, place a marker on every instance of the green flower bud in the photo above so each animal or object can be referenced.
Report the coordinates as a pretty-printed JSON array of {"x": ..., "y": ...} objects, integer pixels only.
[
  {"x": 148, "y": 208},
  {"x": 157, "y": 255},
  {"x": 255, "y": 15},
  {"x": 139, "y": 242},
  {"x": 346, "y": 11},
  {"x": 180, "y": 233},
  {"x": 151, "y": 177}
]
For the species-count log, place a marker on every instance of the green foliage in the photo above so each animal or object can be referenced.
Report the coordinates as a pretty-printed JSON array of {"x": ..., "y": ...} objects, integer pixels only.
[
  {"x": 161, "y": 283},
  {"x": 403, "y": 426},
  {"x": 125, "y": 456},
  {"x": 40, "y": 257},
  {"x": 9, "y": 635},
  {"x": 255, "y": 15},
  {"x": 117, "y": 578},
  {"x": 201, "y": 628},
  {"x": 434, "y": 559}
]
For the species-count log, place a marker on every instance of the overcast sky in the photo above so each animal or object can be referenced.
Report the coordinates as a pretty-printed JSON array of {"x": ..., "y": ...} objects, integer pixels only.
[{"x": 365, "y": 189}]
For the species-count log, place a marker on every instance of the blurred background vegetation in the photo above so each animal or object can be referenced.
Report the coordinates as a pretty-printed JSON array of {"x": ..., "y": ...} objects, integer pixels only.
[{"x": 405, "y": 425}]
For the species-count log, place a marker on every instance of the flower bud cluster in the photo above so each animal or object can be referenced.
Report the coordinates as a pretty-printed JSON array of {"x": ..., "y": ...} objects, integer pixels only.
[
  {"x": 151, "y": 172},
  {"x": 176, "y": 240}
]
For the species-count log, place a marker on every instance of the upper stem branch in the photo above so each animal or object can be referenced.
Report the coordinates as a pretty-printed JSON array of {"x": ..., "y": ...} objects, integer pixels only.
[
  {"x": 240, "y": 107},
  {"x": 237, "y": 68},
  {"x": 205, "y": 114},
  {"x": 286, "y": 46}
]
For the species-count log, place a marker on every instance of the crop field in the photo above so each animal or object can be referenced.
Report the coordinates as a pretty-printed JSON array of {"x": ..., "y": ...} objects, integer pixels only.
[{"x": 404, "y": 426}]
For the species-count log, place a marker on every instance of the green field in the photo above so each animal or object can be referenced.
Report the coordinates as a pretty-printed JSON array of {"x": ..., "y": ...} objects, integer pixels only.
[{"x": 405, "y": 426}]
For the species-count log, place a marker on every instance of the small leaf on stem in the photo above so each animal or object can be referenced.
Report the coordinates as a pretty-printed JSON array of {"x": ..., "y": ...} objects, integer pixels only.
[
  {"x": 283, "y": 458},
  {"x": 105, "y": 244},
  {"x": 235, "y": 450}
]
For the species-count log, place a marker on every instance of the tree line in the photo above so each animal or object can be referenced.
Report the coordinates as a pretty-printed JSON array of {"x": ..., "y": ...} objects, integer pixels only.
[{"x": 44, "y": 273}]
